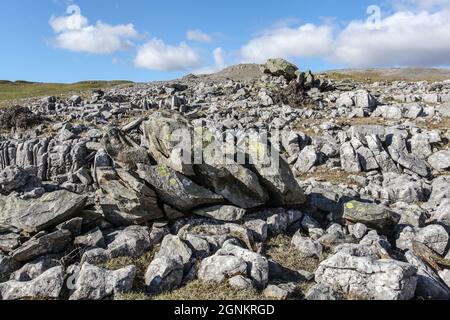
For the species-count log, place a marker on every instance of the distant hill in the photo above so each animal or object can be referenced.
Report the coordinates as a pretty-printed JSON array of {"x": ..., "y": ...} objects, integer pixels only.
[
  {"x": 240, "y": 72},
  {"x": 391, "y": 74},
  {"x": 10, "y": 90}
]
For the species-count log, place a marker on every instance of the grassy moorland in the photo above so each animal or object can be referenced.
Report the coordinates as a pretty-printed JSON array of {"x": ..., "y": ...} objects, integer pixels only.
[
  {"x": 12, "y": 91},
  {"x": 391, "y": 74}
]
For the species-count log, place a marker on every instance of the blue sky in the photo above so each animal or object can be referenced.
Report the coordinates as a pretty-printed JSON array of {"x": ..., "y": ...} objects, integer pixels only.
[{"x": 144, "y": 40}]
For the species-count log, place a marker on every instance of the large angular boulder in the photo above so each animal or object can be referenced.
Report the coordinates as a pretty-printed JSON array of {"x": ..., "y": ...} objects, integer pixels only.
[
  {"x": 46, "y": 286},
  {"x": 177, "y": 190},
  {"x": 280, "y": 67},
  {"x": 398, "y": 150},
  {"x": 434, "y": 237},
  {"x": 366, "y": 278},
  {"x": 275, "y": 174},
  {"x": 175, "y": 143},
  {"x": 162, "y": 135},
  {"x": 403, "y": 188},
  {"x": 39, "y": 214},
  {"x": 234, "y": 182},
  {"x": 125, "y": 199}
]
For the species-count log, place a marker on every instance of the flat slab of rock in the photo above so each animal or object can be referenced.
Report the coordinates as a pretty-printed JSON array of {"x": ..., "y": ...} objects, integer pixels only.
[
  {"x": 177, "y": 190},
  {"x": 222, "y": 213},
  {"x": 39, "y": 214},
  {"x": 372, "y": 215}
]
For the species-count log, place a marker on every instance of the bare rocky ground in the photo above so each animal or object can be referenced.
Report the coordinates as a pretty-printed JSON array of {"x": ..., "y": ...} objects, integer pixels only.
[{"x": 96, "y": 202}]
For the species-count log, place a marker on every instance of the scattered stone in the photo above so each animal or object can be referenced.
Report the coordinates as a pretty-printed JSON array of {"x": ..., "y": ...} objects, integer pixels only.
[
  {"x": 321, "y": 292},
  {"x": 54, "y": 242},
  {"x": 372, "y": 215},
  {"x": 222, "y": 213},
  {"x": 94, "y": 283},
  {"x": 365, "y": 278},
  {"x": 46, "y": 286},
  {"x": 164, "y": 274}
]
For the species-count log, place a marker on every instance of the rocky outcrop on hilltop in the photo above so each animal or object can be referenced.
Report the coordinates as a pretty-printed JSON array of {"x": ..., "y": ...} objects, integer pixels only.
[{"x": 275, "y": 183}]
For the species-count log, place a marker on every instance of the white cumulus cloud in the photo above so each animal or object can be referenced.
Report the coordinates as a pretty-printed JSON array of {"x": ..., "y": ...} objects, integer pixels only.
[
  {"x": 308, "y": 40},
  {"x": 404, "y": 39},
  {"x": 198, "y": 35},
  {"x": 74, "y": 33},
  {"x": 156, "y": 55}
]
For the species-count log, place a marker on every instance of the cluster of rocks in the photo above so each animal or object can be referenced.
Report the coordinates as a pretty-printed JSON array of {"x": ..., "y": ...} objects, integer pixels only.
[{"x": 102, "y": 178}]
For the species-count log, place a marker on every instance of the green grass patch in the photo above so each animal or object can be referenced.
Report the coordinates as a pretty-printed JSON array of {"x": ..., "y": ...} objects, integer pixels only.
[{"x": 21, "y": 89}]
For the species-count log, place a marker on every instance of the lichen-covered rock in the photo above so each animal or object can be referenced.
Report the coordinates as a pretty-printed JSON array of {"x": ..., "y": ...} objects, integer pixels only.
[
  {"x": 124, "y": 150},
  {"x": 372, "y": 215},
  {"x": 177, "y": 190}
]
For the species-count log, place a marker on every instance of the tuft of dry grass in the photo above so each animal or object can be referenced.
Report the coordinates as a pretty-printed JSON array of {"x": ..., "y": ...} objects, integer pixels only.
[
  {"x": 280, "y": 250},
  {"x": 141, "y": 264},
  {"x": 198, "y": 290},
  {"x": 324, "y": 174}
]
